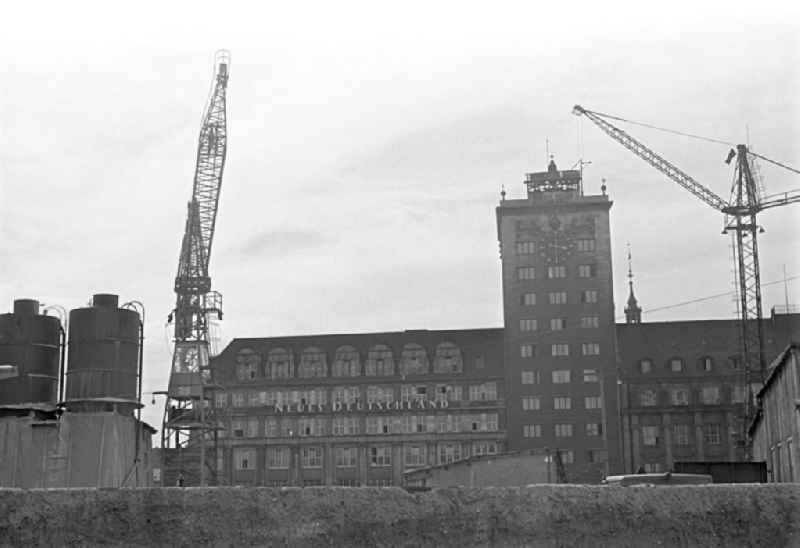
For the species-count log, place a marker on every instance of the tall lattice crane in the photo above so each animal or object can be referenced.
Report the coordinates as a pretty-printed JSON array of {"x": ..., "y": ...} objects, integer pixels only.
[
  {"x": 185, "y": 417},
  {"x": 740, "y": 219}
]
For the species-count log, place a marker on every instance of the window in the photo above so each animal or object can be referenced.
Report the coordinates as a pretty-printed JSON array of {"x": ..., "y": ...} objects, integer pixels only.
[
  {"x": 563, "y": 430},
  {"x": 380, "y": 361},
  {"x": 280, "y": 364},
  {"x": 448, "y": 359},
  {"x": 557, "y": 324},
  {"x": 559, "y": 349},
  {"x": 345, "y": 362},
  {"x": 446, "y": 392},
  {"x": 567, "y": 457},
  {"x": 312, "y": 363},
  {"x": 237, "y": 399},
  {"x": 345, "y": 457},
  {"x": 480, "y": 363},
  {"x": 711, "y": 434},
  {"x": 597, "y": 455},
  {"x": 527, "y": 324},
  {"x": 558, "y": 297},
  {"x": 221, "y": 400},
  {"x": 706, "y": 364},
  {"x": 590, "y": 349},
  {"x": 645, "y": 366},
  {"x": 247, "y": 364},
  {"x": 590, "y": 322},
  {"x": 680, "y": 434},
  {"x": 590, "y": 375},
  {"x": 278, "y": 457},
  {"x": 679, "y": 396},
  {"x": 648, "y": 398},
  {"x": 483, "y": 422},
  {"x": 526, "y": 248},
  {"x": 592, "y": 402},
  {"x": 527, "y": 350},
  {"x": 735, "y": 362},
  {"x": 562, "y": 403},
  {"x": 379, "y": 425},
  {"x": 449, "y": 452},
  {"x": 483, "y": 392},
  {"x": 531, "y": 403},
  {"x": 557, "y": 271},
  {"x": 676, "y": 365},
  {"x": 414, "y": 455},
  {"x": 526, "y": 273},
  {"x": 238, "y": 428},
  {"x": 738, "y": 394},
  {"x": 311, "y": 457},
  {"x": 530, "y": 377},
  {"x": 271, "y": 428},
  {"x": 709, "y": 395},
  {"x": 594, "y": 429},
  {"x": 561, "y": 376},
  {"x": 528, "y": 299},
  {"x": 345, "y": 394},
  {"x": 345, "y": 426},
  {"x": 585, "y": 244},
  {"x": 586, "y": 271},
  {"x": 532, "y": 431},
  {"x": 650, "y": 436},
  {"x": 382, "y": 394},
  {"x": 413, "y": 360},
  {"x": 244, "y": 459},
  {"x": 253, "y": 399},
  {"x": 484, "y": 448},
  {"x": 252, "y": 427},
  {"x": 652, "y": 467},
  {"x": 589, "y": 296}
]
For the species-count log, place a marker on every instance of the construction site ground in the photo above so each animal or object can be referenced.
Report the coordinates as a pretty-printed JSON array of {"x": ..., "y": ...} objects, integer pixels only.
[{"x": 534, "y": 516}]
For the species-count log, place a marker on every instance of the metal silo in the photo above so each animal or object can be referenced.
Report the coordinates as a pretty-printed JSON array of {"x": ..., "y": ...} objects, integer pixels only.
[
  {"x": 103, "y": 362},
  {"x": 29, "y": 355}
]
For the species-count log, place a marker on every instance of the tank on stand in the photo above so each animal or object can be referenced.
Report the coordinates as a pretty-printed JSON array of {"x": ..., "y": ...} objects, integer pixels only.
[
  {"x": 29, "y": 356},
  {"x": 104, "y": 352}
]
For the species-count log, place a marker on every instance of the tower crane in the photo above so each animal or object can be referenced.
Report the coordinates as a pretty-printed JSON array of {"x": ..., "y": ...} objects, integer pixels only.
[
  {"x": 185, "y": 417},
  {"x": 741, "y": 220}
]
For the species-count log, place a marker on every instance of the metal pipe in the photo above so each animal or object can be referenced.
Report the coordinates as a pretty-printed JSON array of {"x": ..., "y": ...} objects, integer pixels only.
[{"x": 62, "y": 367}]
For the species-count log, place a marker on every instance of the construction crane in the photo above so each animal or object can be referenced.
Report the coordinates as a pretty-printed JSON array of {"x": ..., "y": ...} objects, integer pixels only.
[
  {"x": 740, "y": 219},
  {"x": 186, "y": 419}
]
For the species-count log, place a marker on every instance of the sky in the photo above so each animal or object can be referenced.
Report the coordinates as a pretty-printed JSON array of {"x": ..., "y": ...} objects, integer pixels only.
[{"x": 368, "y": 145}]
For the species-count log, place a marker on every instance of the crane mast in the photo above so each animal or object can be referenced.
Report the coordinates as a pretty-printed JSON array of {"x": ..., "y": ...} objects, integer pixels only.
[
  {"x": 185, "y": 416},
  {"x": 740, "y": 220}
]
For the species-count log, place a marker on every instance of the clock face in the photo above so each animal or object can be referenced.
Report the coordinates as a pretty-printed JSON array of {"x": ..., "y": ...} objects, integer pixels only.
[{"x": 556, "y": 245}]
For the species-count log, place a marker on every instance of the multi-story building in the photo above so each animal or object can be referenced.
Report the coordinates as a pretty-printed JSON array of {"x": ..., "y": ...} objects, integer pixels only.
[
  {"x": 356, "y": 409},
  {"x": 683, "y": 390},
  {"x": 559, "y": 345}
]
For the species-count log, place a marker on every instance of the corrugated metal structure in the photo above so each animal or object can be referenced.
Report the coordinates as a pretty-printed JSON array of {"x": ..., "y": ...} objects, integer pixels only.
[
  {"x": 42, "y": 449},
  {"x": 503, "y": 470},
  {"x": 29, "y": 355}
]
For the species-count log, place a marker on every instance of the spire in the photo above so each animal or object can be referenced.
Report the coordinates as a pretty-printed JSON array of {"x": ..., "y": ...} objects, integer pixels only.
[{"x": 633, "y": 312}]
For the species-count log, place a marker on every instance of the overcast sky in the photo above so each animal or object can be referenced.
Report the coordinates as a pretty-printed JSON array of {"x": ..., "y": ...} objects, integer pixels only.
[{"x": 367, "y": 149}]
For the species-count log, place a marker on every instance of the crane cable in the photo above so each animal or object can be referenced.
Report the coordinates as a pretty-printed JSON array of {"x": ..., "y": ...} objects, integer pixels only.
[{"x": 693, "y": 136}]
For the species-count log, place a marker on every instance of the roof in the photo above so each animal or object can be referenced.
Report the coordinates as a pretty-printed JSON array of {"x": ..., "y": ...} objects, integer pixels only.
[
  {"x": 469, "y": 460},
  {"x": 778, "y": 364}
]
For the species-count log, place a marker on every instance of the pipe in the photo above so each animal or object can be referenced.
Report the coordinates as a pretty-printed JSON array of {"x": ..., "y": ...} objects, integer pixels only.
[{"x": 62, "y": 367}]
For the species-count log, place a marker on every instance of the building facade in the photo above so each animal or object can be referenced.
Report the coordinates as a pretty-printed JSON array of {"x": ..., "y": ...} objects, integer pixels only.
[
  {"x": 683, "y": 391},
  {"x": 356, "y": 409},
  {"x": 776, "y": 428},
  {"x": 558, "y": 303}
]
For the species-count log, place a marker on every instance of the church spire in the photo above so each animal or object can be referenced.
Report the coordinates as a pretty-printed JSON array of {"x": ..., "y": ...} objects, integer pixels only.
[{"x": 633, "y": 312}]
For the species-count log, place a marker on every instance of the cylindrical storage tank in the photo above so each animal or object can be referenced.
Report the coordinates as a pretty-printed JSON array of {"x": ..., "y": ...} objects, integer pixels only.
[
  {"x": 29, "y": 355},
  {"x": 103, "y": 360}
]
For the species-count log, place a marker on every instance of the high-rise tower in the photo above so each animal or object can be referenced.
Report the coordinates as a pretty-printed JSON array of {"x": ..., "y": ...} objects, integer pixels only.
[{"x": 558, "y": 305}]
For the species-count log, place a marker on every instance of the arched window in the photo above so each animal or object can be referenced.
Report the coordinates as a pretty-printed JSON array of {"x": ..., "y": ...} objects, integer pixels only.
[
  {"x": 413, "y": 360},
  {"x": 247, "y": 364},
  {"x": 280, "y": 364},
  {"x": 346, "y": 363},
  {"x": 312, "y": 363},
  {"x": 380, "y": 361},
  {"x": 448, "y": 359}
]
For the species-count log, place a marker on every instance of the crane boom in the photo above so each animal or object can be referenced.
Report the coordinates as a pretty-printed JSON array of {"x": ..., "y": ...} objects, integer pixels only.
[{"x": 654, "y": 159}]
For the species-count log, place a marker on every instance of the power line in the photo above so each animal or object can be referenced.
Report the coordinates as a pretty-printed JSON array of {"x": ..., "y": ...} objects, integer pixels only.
[{"x": 708, "y": 298}]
